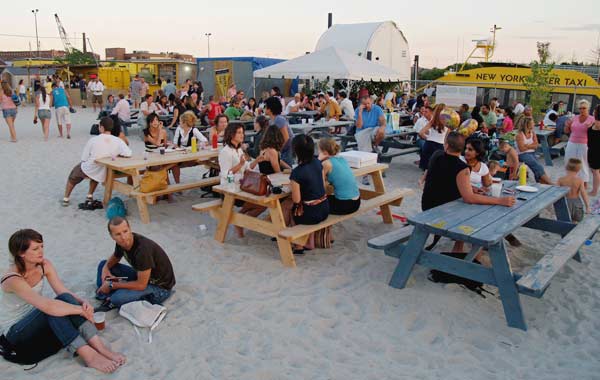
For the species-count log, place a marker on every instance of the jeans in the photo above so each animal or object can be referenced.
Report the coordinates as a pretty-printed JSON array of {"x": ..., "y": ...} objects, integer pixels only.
[
  {"x": 72, "y": 331},
  {"x": 152, "y": 293},
  {"x": 287, "y": 156}
]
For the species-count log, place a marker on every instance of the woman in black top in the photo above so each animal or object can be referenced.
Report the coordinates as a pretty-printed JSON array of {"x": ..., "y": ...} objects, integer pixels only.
[{"x": 178, "y": 110}]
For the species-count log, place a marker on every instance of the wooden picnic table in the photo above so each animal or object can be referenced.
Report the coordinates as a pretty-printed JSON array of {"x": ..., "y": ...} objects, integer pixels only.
[
  {"x": 132, "y": 167},
  {"x": 486, "y": 227},
  {"x": 223, "y": 211}
]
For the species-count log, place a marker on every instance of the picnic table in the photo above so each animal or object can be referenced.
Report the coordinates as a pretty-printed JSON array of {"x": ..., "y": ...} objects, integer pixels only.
[
  {"x": 223, "y": 211},
  {"x": 303, "y": 114},
  {"x": 321, "y": 126},
  {"x": 133, "y": 166},
  {"x": 486, "y": 227},
  {"x": 543, "y": 136}
]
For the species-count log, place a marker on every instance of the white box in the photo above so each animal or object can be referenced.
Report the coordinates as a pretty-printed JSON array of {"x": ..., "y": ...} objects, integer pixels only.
[{"x": 357, "y": 159}]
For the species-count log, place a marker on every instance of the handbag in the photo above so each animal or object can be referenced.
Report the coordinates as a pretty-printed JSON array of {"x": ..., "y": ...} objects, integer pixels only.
[
  {"x": 153, "y": 181},
  {"x": 143, "y": 314},
  {"x": 95, "y": 130},
  {"x": 255, "y": 183}
]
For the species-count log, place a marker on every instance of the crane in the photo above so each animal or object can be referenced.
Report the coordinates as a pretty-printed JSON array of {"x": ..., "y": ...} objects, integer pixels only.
[{"x": 63, "y": 35}]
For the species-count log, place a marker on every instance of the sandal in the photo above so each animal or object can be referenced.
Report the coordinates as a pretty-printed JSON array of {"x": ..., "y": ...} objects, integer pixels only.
[
  {"x": 66, "y": 202},
  {"x": 97, "y": 205},
  {"x": 87, "y": 205}
]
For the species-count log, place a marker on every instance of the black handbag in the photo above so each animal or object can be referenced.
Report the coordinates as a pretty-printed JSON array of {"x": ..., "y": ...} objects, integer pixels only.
[{"x": 95, "y": 130}]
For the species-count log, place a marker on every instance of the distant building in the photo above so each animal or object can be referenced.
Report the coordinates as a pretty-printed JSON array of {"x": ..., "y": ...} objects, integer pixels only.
[
  {"x": 17, "y": 55},
  {"x": 119, "y": 54},
  {"x": 381, "y": 42}
]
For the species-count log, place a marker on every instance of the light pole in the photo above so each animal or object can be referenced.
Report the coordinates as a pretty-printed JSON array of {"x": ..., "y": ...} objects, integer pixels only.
[
  {"x": 208, "y": 42},
  {"x": 37, "y": 39}
]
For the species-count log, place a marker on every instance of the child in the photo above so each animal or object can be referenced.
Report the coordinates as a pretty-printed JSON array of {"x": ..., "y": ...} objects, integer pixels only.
[
  {"x": 512, "y": 159},
  {"x": 577, "y": 190},
  {"x": 493, "y": 167}
]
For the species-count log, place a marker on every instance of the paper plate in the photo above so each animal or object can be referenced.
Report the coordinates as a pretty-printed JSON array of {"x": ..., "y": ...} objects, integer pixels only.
[{"x": 527, "y": 189}]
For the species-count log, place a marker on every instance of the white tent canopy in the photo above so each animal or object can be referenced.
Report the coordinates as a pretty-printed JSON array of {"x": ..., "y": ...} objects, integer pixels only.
[{"x": 330, "y": 63}]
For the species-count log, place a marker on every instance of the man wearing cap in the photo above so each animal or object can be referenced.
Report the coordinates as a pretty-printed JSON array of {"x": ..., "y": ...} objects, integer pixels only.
[{"x": 370, "y": 124}]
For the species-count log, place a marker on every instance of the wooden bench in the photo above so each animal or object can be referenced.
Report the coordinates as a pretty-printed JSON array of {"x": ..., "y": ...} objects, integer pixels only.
[
  {"x": 391, "y": 240},
  {"x": 535, "y": 282},
  {"x": 300, "y": 233},
  {"x": 208, "y": 206},
  {"x": 173, "y": 188}
]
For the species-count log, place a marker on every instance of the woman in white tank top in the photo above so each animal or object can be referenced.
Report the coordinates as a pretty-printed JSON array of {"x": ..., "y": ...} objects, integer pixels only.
[
  {"x": 34, "y": 327},
  {"x": 42, "y": 111}
]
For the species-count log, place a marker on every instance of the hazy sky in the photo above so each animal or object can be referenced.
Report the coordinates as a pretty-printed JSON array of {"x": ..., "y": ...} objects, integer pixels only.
[{"x": 436, "y": 30}]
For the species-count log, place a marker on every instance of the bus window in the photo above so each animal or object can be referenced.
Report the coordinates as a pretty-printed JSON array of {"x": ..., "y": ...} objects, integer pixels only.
[
  {"x": 500, "y": 94},
  {"x": 516, "y": 96}
]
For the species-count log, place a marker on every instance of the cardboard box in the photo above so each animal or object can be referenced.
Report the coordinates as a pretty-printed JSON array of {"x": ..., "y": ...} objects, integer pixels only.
[{"x": 357, "y": 159}]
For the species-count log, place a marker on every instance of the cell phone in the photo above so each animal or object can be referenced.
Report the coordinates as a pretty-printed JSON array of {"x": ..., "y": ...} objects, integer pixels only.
[
  {"x": 521, "y": 199},
  {"x": 115, "y": 278}
]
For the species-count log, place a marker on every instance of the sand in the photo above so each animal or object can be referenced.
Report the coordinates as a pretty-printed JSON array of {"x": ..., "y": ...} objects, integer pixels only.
[{"x": 239, "y": 314}]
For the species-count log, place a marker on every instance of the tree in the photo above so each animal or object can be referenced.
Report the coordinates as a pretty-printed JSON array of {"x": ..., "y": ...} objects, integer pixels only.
[
  {"x": 538, "y": 81},
  {"x": 77, "y": 57}
]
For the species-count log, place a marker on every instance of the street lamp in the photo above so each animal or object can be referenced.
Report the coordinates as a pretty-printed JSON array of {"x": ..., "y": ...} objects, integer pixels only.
[
  {"x": 37, "y": 39},
  {"x": 208, "y": 42}
]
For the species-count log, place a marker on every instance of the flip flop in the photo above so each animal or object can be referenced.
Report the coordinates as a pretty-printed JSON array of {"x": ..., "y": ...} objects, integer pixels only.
[
  {"x": 97, "y": 205},
  {"x": 87, "y": 205}
]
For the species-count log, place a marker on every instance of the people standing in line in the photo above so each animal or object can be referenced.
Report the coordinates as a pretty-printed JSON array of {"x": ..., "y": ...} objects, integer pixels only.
[
  {"x": 35, "y": 326},
  {"x": 577, "y": 191},
  {"x": 96, "y": 87},
  {"x": 22, "y": 92},
  {"x": 149, "y": 275},
  {"x": 594, "y": 151},
  {"x": 42, "y": 111},
  {"x": 526, "y": 144},
  {"x": 346, "y": 197},
  {"x": 273, "y": 109},
  {"x": 9, "y": 109},
  {"x": 61, "y": 101},
  {"x": 434, "y": 135},
  {"x": 577, "y": 146},
  {"x": 135, "y": 89}
]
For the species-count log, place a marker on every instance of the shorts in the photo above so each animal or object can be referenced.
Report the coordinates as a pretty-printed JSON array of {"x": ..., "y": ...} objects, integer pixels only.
[
  {"x": 342, "y": 206},
  {"x": 77, "y": 175},
  {"x": 83, "y": 95},
  {"x": 23, "y": 97},
  {"x": 63, "y": 115},
  {"x": 136, "y": 98},
  {"x": 97, "y": 99},
  {"x": 576, "y": 209},
  {"x": 533, "y": 164},
  {"x": 44, "y": 114},
  {"x": 10, "y": 112}
]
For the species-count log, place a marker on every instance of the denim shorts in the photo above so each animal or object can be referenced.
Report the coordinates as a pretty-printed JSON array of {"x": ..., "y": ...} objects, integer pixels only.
[
  {"x": 11, "y": 112},
  {"x": 44, "y": 114}
]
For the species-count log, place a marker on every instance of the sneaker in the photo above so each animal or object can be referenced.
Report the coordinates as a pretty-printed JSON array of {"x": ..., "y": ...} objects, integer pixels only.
[
  {"x": 106, "y": 306},
  {"x": 365, "y": 181}
]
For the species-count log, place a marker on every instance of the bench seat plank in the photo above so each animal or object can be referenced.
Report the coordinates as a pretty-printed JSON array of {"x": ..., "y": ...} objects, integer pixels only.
[
  {"x": 301, "y": 230},
  {"x": 391, "y": 239},
  {"x": 180, "y": 187},
  {"x": 207, "y": 206},
  {"x": 535, "y": 282}
]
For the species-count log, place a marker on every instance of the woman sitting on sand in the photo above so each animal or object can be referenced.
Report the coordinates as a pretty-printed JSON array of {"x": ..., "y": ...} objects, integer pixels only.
[
  {"x": 346, "y": 197},
  {"x": 308, "y": 204},
  {"x": 35, "y": 327}
]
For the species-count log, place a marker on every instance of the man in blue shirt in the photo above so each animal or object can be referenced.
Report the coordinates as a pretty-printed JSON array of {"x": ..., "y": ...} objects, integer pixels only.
[
  {"x": 370, "y": 123},
  {"x": 62, "y": 103}
]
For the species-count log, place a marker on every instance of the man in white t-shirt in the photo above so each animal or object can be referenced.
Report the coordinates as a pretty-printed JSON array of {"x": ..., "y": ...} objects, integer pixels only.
[
  {"x": 547, "y": 121},
  {"x": 518, "y": 108},
  {"x": 146, "y": 108},
  {"x": 122, "y": 109},
  {"x": 346, "y": 106},
  {"x": 426, "y": 116},
  {"x": 96, "y": 88},
  {"x": 294, "y": 105},
  {"x": 101, "y": 146}
]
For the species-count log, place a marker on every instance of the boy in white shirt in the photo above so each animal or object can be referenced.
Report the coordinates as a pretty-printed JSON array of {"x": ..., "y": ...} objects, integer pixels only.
[{"x": 101, "y": 146}]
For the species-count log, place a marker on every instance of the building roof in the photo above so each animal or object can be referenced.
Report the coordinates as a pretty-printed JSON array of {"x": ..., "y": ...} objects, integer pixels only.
[
  {"x": 30, "y": 70},
  {"x": 354, "y": 38}
]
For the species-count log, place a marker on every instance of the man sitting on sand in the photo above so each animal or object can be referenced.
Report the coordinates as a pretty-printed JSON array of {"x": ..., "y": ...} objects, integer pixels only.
[
  {"x": 101, "y": 146},
  {"x": 150, "y": 276},
  {"x": 448, "y": 179}
]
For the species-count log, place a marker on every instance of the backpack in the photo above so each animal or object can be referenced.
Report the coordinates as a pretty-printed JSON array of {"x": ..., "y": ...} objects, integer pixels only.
[
  {"x": 447, "y": 278},
  {"x": 116, "y": 207},
  {"x": 15, "y": 98}
]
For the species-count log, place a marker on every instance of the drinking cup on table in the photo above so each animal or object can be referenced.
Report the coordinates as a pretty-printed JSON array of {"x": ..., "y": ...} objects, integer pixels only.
[
  {"x": 496, "y": 189},
  {"x": 162, "y": 150},
  {"x": 310, "y": 121},
  {"x": 100, "y": 320}
]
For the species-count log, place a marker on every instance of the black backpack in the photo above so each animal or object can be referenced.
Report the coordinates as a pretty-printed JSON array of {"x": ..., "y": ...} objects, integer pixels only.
[{"x": 447, "y": 278}]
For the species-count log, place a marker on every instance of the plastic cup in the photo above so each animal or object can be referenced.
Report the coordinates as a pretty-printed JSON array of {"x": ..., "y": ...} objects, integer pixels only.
[
  {"x": 496, "y": 189},
  {"x": 100, "y": 320},
  {"x": 162, "y": 150}
]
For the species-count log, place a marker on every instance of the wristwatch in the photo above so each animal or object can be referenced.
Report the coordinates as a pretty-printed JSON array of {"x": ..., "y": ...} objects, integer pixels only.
[{"x": 110, "y": 285}]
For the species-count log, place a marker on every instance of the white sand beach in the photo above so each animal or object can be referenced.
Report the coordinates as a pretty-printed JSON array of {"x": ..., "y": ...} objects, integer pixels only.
[{"x": 237, "y": 313}]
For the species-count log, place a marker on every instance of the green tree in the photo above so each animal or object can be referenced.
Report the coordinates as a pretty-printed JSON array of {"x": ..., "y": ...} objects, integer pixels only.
[
  {"x": 538, "y": 81},
  {"x": 77, "y": 57}
]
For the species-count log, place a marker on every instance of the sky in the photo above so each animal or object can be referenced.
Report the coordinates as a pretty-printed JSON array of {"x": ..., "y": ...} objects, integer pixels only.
[{"x": 440, "y": 32}]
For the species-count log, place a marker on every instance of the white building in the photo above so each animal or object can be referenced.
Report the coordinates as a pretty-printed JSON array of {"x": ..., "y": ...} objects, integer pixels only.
[{"x": 382, "y": 42}]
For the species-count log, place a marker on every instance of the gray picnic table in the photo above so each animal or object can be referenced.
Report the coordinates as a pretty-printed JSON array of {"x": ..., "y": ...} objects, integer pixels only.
[
  {"x": 303, "y": 114},
  {"x": 486, "y": 227},
  {"x": 543, "y": 136},
  {"x": 320, "y": 126}
]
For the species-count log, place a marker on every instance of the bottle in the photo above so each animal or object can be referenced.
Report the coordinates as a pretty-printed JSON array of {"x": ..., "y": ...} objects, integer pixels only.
[
  {"x": 230, "y": 181},
  {"x": 522, "y": 175},
  {"x": 194, "y": 144},
  {"x": 542, "y": 125},
  {"x": 215, "y": 141}
]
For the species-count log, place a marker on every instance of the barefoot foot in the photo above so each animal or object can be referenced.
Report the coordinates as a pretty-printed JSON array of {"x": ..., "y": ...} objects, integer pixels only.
[{"x": 94, "y": 359}]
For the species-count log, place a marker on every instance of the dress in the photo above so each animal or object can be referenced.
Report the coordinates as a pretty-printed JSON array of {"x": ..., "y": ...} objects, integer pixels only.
[
  {"x": 593, "y": 148},
  {"x": 577, "y": 146}
]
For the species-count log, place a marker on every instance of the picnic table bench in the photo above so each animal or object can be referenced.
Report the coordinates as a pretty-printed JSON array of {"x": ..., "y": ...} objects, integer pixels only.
[
  {"x": 222, "y": 211},
  {"x": 321, "y": 127},
  {"x": 133, "y": 166},
  {"x": 403, "y": 141},
  {"x": 486, "y": 227}
]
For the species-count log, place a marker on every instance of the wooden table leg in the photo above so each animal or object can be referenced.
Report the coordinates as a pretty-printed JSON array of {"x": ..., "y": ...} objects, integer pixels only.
[
  {"x": 507, "y": 287},
  {"x": 140, "y": 199},
  {"x": 409, "y": 258},
  {"x": 546, "y": 150},
  {"x": 285, "y": 246},
  {"x": 108, "y": 185},
  {"x": 378, "y": 184},
  {"x": 226, "y": 212}
]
